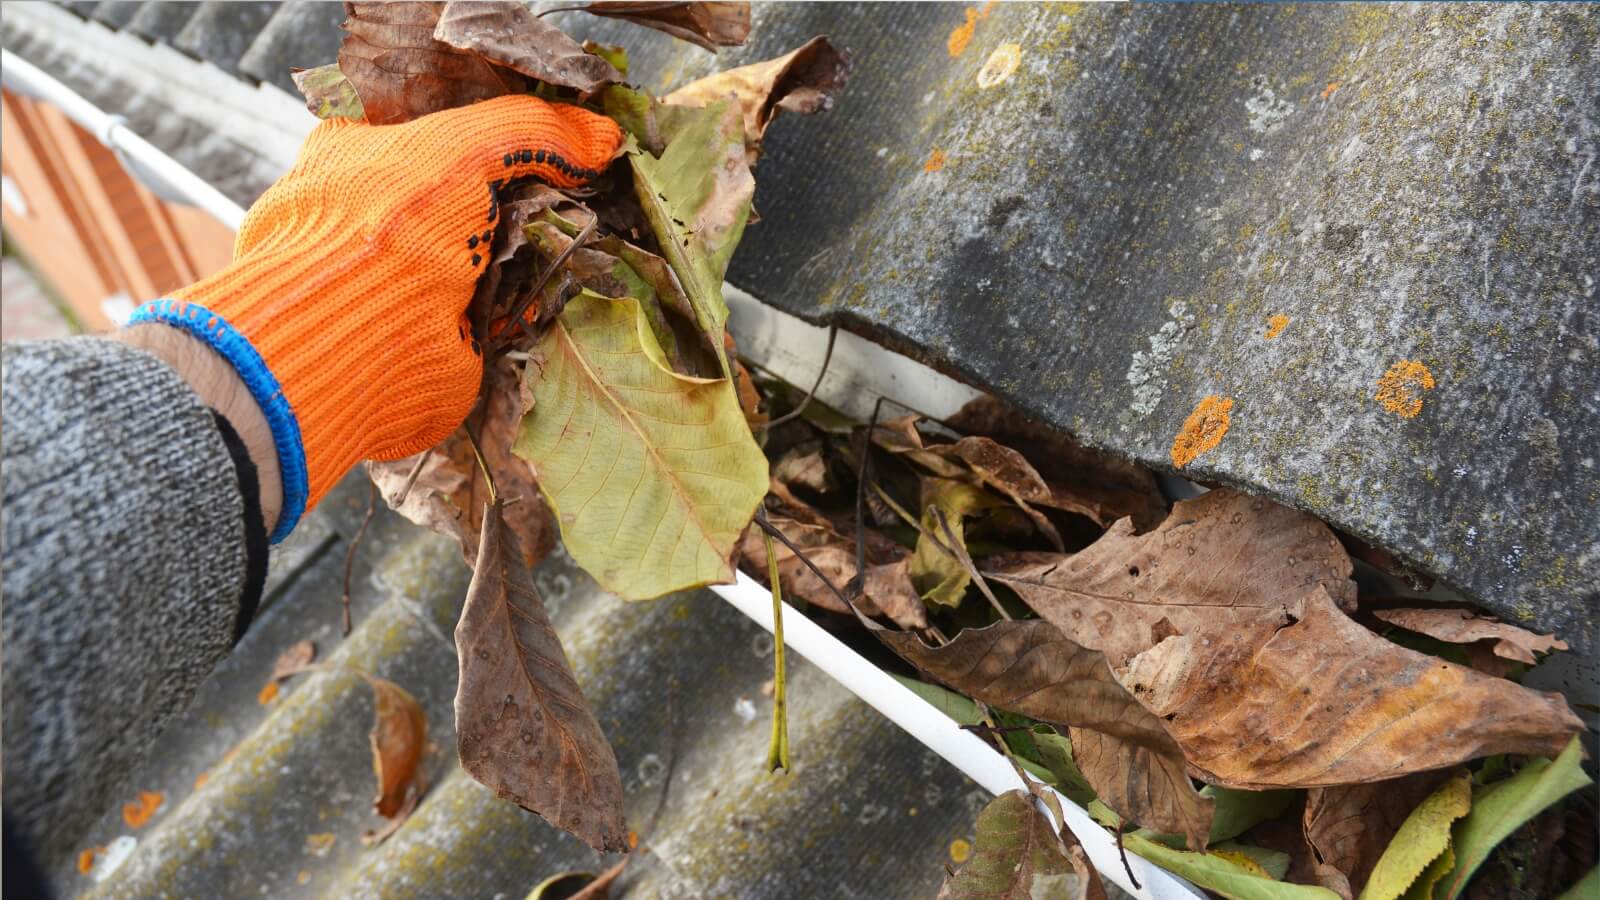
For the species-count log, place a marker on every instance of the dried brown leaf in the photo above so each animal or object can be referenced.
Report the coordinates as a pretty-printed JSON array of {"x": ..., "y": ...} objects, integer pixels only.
[
  {"x": 1096, "y": 485},
  {"x": 507, "y": 33},
  {"x": 400, "y": 72},
  {"x": 1349, "y": 826},
  {"x": 1017, "y": 856},
  {"x": 1318, "y": 700},
  {"x": 1458, "y": 626},
  {"x": 886, "y": 589},
  {"x": 523, "y": 727},
  {"x": 805, "y": 466},
  {"x": 709, "y": 25},
  {"x": 803, "y": 81},
  {"x": 399, "y": 735},
  {"x": 293, "y": 659},
  {"x": 450, "y": 490},
  {"x": 1124, "y": 751},
  {"x": 1220, "y": 558}
]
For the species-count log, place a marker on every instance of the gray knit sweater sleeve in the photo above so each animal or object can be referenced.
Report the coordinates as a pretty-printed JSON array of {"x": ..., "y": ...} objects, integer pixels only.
[{"x": 125, "y": 567}]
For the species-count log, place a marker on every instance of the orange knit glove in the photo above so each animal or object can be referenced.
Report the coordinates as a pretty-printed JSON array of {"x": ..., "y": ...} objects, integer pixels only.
[{"x": 344, "y": 309}]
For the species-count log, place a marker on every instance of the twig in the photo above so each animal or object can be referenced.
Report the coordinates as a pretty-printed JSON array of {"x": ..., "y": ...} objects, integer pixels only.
[
  {"x": 411, "y": 478},
  {"x": 859, "y": 581},
  {"x": 778, "y": 745},
  {"x": 487, "y": 478},
  {"x": 827, "y": 357},
  {"x": 1123, "y": 852},
  {"x": 561, "y": 259},
  {"x": 959, "y": 547},
  {"x": 355, "y": 542}
]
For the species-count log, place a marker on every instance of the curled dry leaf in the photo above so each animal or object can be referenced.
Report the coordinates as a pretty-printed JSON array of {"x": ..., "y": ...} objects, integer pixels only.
[
  {"x": 399, "y": 734},
  {"x": 449, "y": 489},
  {"x": 1101, "y": 487},
  {"x": 1124, "y": 751},
  {"x": 706, "y": 24},
  {"x": 1349, "y": 826},
  {"x": 507, "y": 33},
  {"x": 328, "y": 93},
  {"x": 1017, "y": 856},
  {"x": 293, "y": 659},
  {"x": 523, "y": 727},
  {"x": 803, "y": 81},
  {"x": 886, "y": 590},
  {"x": 401, "y": 72},
  {"x": 1219, "y": 559},
  {"x": 1458, "y": 626},
  {"x": 1320, "y": 700}
]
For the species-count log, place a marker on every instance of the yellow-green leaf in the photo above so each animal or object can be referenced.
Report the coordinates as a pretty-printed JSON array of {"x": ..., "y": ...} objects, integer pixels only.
[
  {"x": 328, "y": 93},
  {"x": 936, "y": 572},
  {"x": 1505, "y": 806},
  {"x": 652, "y": 475},
  {"x": 1422, "y": 837},
  {"x": 1221, "y": 874},
  {"x": 1587, "y": 888},
  {"x": 1422, "y": 888}
]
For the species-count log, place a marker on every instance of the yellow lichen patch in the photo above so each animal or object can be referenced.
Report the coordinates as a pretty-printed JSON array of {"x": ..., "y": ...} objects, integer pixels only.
[
  {"x": 140, "y": 811},
  {"x": 935, "y": 161},
  {"x": 1275, "y": 325},
  {"x": 319, "y": 844},
  {"x": 962, "y": 35},
  {"x": 269, "y": 693},
  {"x": 1202, "y": 430},
  {"x": 1000, "y": 65},
  {"x": 960, "y": 850},
  {"x": 1401, "y": 388}
]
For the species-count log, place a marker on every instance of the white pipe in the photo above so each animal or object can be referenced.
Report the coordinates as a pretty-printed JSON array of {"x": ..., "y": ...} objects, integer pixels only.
[
  {"x": 29, "y": 80},
  {"x": 939, "y": 733}
]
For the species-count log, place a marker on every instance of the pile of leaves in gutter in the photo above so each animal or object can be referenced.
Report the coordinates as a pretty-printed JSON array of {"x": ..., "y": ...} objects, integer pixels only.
[{"x": 1119, "y": 648}]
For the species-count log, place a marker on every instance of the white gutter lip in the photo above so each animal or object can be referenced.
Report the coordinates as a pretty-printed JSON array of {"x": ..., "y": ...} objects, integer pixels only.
[{"x": 931, "y": 392}]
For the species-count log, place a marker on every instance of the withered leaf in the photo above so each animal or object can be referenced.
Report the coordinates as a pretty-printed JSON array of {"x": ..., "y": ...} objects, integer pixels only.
[
  {"x": 507, "y": 33},
  {"x": 803, "y": 81},
  {"x": 523, "y": 727},
  {"x": 1102, "y": 487},
  {"x": 399, "y": 70},
  {"x": 1319, "y": 700},
  {"x": 886, "y": 589},
  {"x": 293, "y": 659},
  {"x": 1221, "y": 558},
  {"x": 328, "y": 93},
  {"x": 1458, "y": 626},
  {"x": 399, "y": 735},
  {"x": 706, "y": 24},
  {"x": 1125, "y": 752},
  {"x": 1347, "y": 827},
  {"x": 1017, "y": 855},
  {"x": 450, "y": 489}
]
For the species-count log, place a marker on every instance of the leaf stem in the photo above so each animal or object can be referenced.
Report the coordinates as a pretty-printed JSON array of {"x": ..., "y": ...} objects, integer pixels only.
[
  {"x": 827, "y": 357},
  {"x": 778, "y": 746},
  {"x": 355, "y": 543},
  {"x": 478, "y": 454}
]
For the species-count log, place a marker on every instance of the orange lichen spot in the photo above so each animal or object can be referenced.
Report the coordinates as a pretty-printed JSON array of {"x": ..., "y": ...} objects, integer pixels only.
[
  {"x": 962, "y": 35},
  {"x": 935, "y": 161},
  {"x": 960, "y": 850},
  {"x": 201, "y": 779},
  {"x": 1202, "y": 430},
  {"x": 1401, "y": 388},
  {"x": 633, "y": 840},
  {"x": 269, "y": 693},
  {"x": 1329, "y": 91},
  {"x": 86, "y": 859},
  {"x": 1275, "y": 325},
  {"x": 140, "y": 811}
]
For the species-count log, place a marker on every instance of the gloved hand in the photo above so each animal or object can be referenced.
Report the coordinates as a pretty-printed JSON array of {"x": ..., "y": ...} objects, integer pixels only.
[{"x": 344, "y": 310}]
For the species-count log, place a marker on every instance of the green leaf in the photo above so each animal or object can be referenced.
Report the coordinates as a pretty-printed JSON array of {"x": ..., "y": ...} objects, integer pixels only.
[
  {"x": 937, "y": 573},
  {"x": 1273, "y": 862},
  {"x": 1422, "y": 837},
  {"x": 1422, "y": 888},
  {"x": 1235, "y": 812},
  {"x": 1015, "y": 846},
  {"x": 328, "y": 93},
  {"x": 1505, "y": 806},
  {"x": 1222, "y": 875},
  {"x": 964, "y": 712},
  {"x": 1587, "y": 888},
  {"x": 696, "y": 197},
  {"x": 1055, "y": 752},
  {"x": 652, "y": 475}
]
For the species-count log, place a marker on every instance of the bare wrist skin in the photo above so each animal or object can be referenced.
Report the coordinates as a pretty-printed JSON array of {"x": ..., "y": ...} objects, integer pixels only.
[{"x": 219, "y": 387}]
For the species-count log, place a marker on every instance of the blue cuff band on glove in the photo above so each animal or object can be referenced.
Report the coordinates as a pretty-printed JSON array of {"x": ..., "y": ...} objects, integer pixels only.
[{"x": 236, "y": 349}]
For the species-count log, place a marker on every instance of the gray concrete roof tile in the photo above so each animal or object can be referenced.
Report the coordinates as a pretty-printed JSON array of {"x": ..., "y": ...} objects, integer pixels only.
[
  {"x": 304, "y": 34},
  {"x": 162, "y": 20},
  {"x": 221, "y": 32}
]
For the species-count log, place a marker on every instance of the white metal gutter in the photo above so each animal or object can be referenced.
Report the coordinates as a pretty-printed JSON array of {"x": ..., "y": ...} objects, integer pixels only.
[{"x": 859, "y": 373}]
